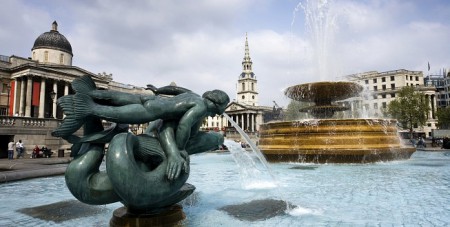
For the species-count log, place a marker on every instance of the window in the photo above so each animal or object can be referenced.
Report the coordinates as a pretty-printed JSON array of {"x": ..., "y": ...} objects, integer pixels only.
[
  {"x": 392, "y": 86},
  {"x": 374, "y": 80},
  {"x": 393, "y": 95},
  {"x": 375, "y": 88},
  {"x": 243, "y": 86},
  {"x": 417, "y": 78},
  {"x": 253, "y": 87},
  {"x": 410, "y": 78},
  {"x": 46, "y": 56},
  {"x": 5, "y": 88},
  {"x": 243, "y": 97},
  {"x": 384, "y": 87},
  {"x": 383, "y": 96},
  {"x": 375, "y": 105},
  {"x": 384, "y": 105},
  {"x": 253, "y": 97},
  {"x": 392, "y": 78},
  {"x": 383, "y": 79},
  {"x": 406, "y": 77},
  {"x": 366, "y": 81},
  {"x": 375, "y": 96},
  {"x": 61, "y": 59}
]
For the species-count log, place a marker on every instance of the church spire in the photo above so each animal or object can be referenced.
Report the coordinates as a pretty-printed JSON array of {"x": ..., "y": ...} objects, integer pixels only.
[
  {"x": 247, "y": 92},
  {"x": 247, "y": 62}
]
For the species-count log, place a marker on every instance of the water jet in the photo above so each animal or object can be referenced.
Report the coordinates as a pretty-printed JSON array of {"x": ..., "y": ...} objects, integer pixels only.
[{"x": 327, "y": 140}]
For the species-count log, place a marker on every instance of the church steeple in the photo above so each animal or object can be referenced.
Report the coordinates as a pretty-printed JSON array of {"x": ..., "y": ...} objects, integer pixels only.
[
  {"x": 247, "y": 62},
  {"x": 247, "y": 92}
]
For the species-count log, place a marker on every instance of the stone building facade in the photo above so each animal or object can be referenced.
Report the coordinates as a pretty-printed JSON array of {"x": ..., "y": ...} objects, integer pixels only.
[
  {"x": 31, "y": 86},
  {"x": 383, "y": 87}
]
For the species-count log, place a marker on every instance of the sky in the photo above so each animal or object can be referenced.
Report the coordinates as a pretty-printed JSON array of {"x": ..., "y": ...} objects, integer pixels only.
[{"x": 199, "y": 44}]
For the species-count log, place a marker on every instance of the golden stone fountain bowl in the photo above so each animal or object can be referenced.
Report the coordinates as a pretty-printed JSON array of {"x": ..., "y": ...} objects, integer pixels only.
[{"x": 332, "y": 141}]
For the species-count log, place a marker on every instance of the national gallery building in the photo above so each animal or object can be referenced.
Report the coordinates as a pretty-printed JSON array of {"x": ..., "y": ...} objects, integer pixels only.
[{"x": 29, "y": 88}]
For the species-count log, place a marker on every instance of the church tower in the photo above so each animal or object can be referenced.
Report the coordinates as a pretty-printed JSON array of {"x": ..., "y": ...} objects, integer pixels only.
[{"x": 247, "y": 92}]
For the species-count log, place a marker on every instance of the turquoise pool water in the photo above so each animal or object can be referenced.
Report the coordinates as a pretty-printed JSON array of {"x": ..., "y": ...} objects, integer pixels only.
[{"x": 414, "y": 192}]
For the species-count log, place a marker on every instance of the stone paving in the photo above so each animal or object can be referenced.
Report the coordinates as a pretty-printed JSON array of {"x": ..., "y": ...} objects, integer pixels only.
[{"x": 26, "y": 168}]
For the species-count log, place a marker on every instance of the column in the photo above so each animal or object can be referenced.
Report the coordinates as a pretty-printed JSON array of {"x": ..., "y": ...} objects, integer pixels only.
[
  {"x": 16, "y": 97},
  {"x": 247, "y": 123},
  {"x": 252, "y": 122},
  {"x": 66, "y": 88},
  {"x": 42, "y": 99},
  {"x": 430, "y": 105},
  {"x": 22, "y": 98},
  {"x": 433, "y": 106},
  {"x": 28, "y": 96},
  {"x": 66, "y": 92},
  {"x": 242, "y": 121},
  {"x": 55, "y": 89}
]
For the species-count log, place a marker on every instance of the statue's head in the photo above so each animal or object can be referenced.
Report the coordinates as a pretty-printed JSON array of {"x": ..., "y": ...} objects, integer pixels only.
[{"x": 220, "y": 100}]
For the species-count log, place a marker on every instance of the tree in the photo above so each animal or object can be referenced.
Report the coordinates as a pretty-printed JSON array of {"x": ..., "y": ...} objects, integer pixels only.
[
  {"x": 293, "y": 110},
  {"x": 443, "y": 115},
  {"x": 410, "y": 108}
]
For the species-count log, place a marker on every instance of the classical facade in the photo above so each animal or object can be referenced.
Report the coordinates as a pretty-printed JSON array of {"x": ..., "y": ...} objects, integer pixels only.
[
  {"x": 383, "y": 87},
  {"x": 30, "y": 87},
  {"x": 245, "y": 111}
]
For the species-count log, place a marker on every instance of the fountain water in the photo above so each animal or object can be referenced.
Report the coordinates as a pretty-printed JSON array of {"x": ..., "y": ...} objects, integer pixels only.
[
  {"x": 330, "y": 140},
  {"x": 324, "y": 139},
  {"x": 398, "y": 193}
]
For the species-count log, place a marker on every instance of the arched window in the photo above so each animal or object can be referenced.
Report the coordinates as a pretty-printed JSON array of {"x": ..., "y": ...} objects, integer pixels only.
[
  {"x": 46, "y": 56},
  {"x": 253, "y": 87},
  {"x": 243, "y": 97},
  {"x": 243, "y": 86}
]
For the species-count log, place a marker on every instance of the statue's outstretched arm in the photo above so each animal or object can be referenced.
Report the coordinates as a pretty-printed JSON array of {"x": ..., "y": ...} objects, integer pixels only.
[{"x": 167, "y": 90}]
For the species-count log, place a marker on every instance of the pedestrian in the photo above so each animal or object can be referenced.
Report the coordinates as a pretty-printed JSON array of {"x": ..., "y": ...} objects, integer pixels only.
[
  {"x": 35, "y": 153},
  {"x": 19, "y": 149},
  {"x": 11, "y": 149}
]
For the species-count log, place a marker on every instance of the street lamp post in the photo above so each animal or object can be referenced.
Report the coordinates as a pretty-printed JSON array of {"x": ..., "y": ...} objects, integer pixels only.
[{"x": 52, "y": 96}]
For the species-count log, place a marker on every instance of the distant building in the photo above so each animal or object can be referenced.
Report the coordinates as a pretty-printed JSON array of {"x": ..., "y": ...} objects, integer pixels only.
[
  {"x": 31, "y": 86},
  {"x": 245, "y": 111},
  {"x": 383, "y": 87}
]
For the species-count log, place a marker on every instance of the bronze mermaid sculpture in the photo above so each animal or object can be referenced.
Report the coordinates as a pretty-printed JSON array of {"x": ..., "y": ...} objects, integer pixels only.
[{"x": 145, "y": 172}]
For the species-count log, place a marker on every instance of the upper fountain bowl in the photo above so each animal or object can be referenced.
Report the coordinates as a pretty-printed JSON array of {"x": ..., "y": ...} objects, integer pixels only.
[{"x": 323, "y": 92}]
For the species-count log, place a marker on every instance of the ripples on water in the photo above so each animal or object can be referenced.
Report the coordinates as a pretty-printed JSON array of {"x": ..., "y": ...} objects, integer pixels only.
[{"x": 410, "y": 192}]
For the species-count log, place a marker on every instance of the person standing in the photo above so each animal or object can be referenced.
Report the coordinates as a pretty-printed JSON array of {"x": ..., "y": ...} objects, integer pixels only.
[
  {"x": 19, "y": 149},
  {"x": 11, "y": 149}
]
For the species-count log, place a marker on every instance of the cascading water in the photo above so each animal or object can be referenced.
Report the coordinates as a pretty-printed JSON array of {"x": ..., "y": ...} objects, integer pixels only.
[
  {"x": 245, "y": 159},
  {"x": 253, "y": 176}
]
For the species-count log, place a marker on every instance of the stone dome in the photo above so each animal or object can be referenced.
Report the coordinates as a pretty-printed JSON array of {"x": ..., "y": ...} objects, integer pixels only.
[{"x": 53, "y": 40}]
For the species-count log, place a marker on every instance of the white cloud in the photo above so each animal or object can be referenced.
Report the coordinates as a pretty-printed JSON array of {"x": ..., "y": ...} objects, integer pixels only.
[{"x": 200, "y": 44}]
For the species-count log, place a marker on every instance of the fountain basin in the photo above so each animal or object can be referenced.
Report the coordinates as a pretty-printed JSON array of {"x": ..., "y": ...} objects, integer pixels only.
[{"x": 332, "y": 141}]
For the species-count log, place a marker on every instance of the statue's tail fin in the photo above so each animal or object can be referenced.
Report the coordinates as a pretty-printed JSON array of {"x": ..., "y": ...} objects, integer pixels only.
[
  {"x": 77, "y": 108},
  {"x": 83, "y": 85}
]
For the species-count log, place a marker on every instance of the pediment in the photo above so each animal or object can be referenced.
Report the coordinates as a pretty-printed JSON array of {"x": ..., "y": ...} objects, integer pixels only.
[{"x": 234, "y": 106}]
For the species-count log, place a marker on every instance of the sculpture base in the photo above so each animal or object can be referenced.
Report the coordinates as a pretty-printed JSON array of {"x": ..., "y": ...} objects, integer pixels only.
[{"x": 173, "y": 216}]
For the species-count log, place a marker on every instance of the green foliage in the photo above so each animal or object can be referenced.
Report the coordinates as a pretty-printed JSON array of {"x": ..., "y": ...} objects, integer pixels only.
[
  {"x": 293, "y": 113},
  {"x": 410, "y": 108},
  {"x": 443, "y": 115}
]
